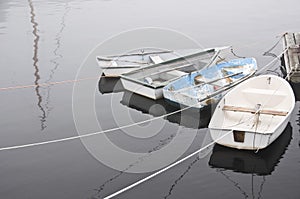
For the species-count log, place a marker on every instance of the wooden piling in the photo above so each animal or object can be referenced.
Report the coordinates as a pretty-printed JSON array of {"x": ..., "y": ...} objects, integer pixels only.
[{"x": 291, "y": 42}]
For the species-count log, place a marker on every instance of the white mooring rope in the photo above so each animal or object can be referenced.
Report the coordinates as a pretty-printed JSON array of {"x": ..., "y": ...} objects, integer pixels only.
[
  {"x": 95, "y": 133},
  {"x": 108, "y": 130},
  {"x": 127, "y": 126},
  {"x": 164, "y": 169}
]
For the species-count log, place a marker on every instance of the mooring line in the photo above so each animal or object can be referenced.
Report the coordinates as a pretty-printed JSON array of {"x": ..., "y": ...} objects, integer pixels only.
[
  {"x": 271, "y": 62},
  {"x": 164, "y": 169},
  {"x": 95, "y": 133},
  {"x": 177, "y": 162},
  {"x": 47, "y": 84},
  {"x": 99, "y": 132},
  {"x": 88, "y": 78}
]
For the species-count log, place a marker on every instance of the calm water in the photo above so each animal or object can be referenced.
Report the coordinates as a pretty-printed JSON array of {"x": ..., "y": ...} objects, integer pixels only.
[{"x": 47, "y": 42}]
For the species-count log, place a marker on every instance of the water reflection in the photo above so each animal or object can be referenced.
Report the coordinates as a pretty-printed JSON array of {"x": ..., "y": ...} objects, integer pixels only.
[
  {"x": 35, "y": 64},
  {"x": 261, "y": 163},
  {"x": 57, "y": 56},
  {"x": 58, "y": 36},
  {"x": 180, "y": 177},
  {"x": 110, "y": 85},
  {"x": 239, "y": 187},
  {"x": 296, "y": 89},
  {"x": 190, "y": 118},
  {"x": 161, "y": 144},
  {"x": 298, "y": 123},
  {"x": 4, "y": 6},
  {"x": 258, "y": 165}
]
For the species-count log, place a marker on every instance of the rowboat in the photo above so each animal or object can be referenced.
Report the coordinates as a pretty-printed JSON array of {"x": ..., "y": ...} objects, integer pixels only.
[
  {"x": 253, "y": 114},
  {"x": 150, "y": 80},
  {"x": 115, "y": 65},
  {"x": 207, "y": 86}
]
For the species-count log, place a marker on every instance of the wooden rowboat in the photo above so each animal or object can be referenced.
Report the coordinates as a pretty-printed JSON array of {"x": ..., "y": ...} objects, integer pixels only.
[{"x": 253, "y": 114}]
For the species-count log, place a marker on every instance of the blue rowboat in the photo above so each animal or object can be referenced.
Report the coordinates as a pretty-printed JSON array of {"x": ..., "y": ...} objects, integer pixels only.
[{"x": 207, "y": 86}]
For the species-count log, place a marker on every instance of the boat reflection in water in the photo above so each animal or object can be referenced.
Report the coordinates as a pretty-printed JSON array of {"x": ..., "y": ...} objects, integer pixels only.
[
  {"x": 190, "y": 118},
  {"x": 110, "y": 85},
  {"x": 261, "y": 163}
]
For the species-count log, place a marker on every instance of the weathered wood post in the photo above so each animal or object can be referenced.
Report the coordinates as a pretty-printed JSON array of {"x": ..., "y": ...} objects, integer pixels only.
[{"x": 291, "y": 42}]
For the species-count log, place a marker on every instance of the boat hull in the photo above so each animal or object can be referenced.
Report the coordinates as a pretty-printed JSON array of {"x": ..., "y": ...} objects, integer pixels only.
[
  {"x": 262, "y": 163},
  {"x": 254, "y": 114},
  {"x": 116, "y": 72},
  {"x": 152, "y": 93},
  {"x": 252, "y": 140}
]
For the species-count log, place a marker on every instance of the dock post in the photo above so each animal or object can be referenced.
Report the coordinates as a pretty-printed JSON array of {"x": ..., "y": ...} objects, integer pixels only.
[{"x": 291, "y": 42}]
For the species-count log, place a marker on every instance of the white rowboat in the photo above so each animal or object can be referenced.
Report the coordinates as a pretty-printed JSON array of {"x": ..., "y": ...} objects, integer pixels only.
[{"x": 254, "y": 113}]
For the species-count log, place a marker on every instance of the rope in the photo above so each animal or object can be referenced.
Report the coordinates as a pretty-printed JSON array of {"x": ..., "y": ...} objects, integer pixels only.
[
  {"x": 95, "y": 133},
  {"x": 173, "y": 164},
  {"x": 89, "y": 134},
  {"x": 91, "y": 78},
  {"x": 268, "y": 52},
  {"x": 271, "y": 62},
  {"x": 119, "y": 128},
  {"x": 164, "y": 169},
  {"x": 231, "y": 50},
  {"x": 47, "y": 84}
]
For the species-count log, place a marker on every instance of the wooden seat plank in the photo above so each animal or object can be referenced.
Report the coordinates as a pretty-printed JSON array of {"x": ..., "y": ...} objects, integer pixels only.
[{"x": 251, "y": 110}]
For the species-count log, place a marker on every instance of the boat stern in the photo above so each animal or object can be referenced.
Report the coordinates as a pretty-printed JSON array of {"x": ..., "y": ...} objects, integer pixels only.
[{"x": 240, "y": 139}]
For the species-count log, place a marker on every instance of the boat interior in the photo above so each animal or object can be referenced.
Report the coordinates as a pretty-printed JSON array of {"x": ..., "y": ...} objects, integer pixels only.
[
  {"x": 259, "y": 108},
  {"x": 161, "y": 73}
]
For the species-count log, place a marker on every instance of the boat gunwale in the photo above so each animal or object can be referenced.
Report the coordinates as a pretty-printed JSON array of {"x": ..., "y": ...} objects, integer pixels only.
[
  {"x": 119, "y": 67},
  {"x": 208, "y": 50},
  {"x": 216, "y": 51},
  {"x": 246, "y": 131}
]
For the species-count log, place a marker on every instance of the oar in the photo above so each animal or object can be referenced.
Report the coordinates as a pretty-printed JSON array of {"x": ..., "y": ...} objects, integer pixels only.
[
  {"x": 176, "y": 61},
  {"x": 140, "y": 54},
  {"x": 111, "y": 59},
  {"x": 222, "y": 89},
  {"x": 167, "y": 70},
  {"x": 209, "y": 82}
]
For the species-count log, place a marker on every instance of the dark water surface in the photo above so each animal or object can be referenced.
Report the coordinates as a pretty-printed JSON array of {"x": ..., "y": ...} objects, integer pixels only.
[{"x": 46, "y": 41}]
